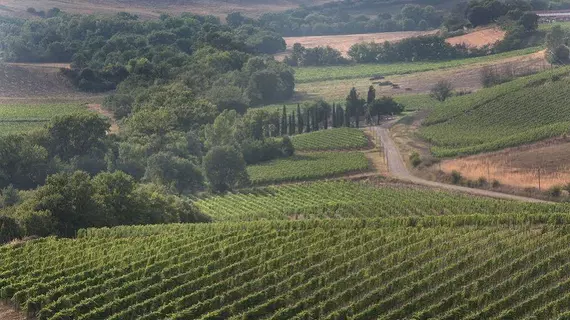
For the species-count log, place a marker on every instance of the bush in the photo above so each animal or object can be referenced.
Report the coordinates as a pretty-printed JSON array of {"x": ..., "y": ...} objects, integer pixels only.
[
  {"x": 9, "y": 229},
  {"x": 456, "y": 177},
  {"x": 255, "y": 151},
  {"x": 442, "y": 90},
  {"x": 415, "y": 159},
  {"x": 495, "y": 183},
  {"x": 482, "y": 181},
  {"x": 287, "y": 148},
  {"x": 555, "y": 191}
]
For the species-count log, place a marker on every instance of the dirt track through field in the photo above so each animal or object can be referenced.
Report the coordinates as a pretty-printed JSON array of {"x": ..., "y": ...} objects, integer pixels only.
[
  {"x": 8, "y": 313},
  {"x": 399, "y": 170},
  {"x": 107, "y": 114}
]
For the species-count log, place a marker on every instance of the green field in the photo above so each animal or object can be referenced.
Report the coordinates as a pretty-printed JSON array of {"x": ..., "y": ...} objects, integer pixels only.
[
  {"x": 308, "y": 166},
  {"x": 345, "y": 199},
  {"x": 521, "y": 111},
  {"x": 314, "y": 74},
  {"x": 331, "y": 139},
  {"x": 463, "y": 267},
  {"x": 18, "y": 118}
]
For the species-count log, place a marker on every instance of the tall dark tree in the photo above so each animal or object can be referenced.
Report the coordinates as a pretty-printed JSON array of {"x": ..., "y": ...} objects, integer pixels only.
[
  {"x": 299, "y": 120},
  {"x": 371, "y": 95},
  {"x": 316, "y": 119},
  {"x": 326, "y": 119},
  {"x": 333, "y": 116},
  {"x": 284, "y": 121},
  {"x": 346, "y": 117},
  {"x": 308, "y": 120},
  {"x": 292, "y": 124},
  {"x": 339, "y": 116}
]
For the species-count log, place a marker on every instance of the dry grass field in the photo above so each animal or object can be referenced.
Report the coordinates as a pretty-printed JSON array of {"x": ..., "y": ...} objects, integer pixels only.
[
  {"x": 463, "y": 78},
  {"x": 479, "y": 38},
  {"x": 344, "y": 42},
  {"x": 519, "y": 166},
  {"x": 153, "y": 8}
]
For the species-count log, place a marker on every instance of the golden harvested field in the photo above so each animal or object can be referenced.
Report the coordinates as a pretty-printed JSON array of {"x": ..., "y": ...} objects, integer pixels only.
[
  {"x": 344, "y": 42},
  {"x": 519, "y": 166},
  {"x": 153, "y": 8},
  {"x": 463, "y": 78},
  {"x": 479, "y": 38}
]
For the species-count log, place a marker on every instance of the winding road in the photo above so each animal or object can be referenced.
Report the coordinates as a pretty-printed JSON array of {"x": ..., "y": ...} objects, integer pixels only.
[{"x": 398, "y": 169}]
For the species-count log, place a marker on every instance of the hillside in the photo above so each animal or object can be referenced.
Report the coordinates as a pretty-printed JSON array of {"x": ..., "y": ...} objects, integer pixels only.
[
  {"x": 517, "y": 112},
  {"x": 153, "y": 9},
  {"x": 464, "y": 267}
]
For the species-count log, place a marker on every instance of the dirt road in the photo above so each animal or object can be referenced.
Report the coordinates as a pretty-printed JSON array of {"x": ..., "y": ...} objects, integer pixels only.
[{"x": 398, "y": 169}]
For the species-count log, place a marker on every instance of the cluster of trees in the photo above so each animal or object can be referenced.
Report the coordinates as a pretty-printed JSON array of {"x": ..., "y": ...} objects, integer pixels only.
[
  {"x": 43, "y": 14},
  {"x": 557, "y": 50},
  {"x": 319, "y": 56},
  {"x": 335, "y": 19},
  {"x": 412, "y": 49},
  {"x": 482, "y": 12},
  {"x": 107, "y": 51}
]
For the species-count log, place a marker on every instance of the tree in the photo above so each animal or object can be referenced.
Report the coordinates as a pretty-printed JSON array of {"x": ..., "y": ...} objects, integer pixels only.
[
  {"x": 77, "y": 135},
  {"x": 442, "y": 90},
  {"x": 529, "y": 21},
  {"x": 287, "y": 147},
  {"x": 284, "y": 122},
  {"x": 292, "y": 124},
  {"x": 354, "y": 105},
  {"x": 334, "y": 120},
  {"x": 223, "y": 130},
  {"x": 371, "y": 95},
  {"x": 176, "y": 172},
  {"x": 479, "y": 16},
  {"x": 9, "y": 196},
  {"x": 9, "y": 229},
  {"x": 225, "y": 168},
  {"x": 299, "y": 120}
]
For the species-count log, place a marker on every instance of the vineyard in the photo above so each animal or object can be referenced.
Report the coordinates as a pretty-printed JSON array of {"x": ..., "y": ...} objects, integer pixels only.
[
  {"x": 463, "y": 267},
  {"x": 308, "y": 166},
  {"x": 15, "y": 118},
  {"x": 314, "y": 74},
  {"x": 523, "y": 111},
  {"x": 345, "y": 199},
  {"x": 333, "y": 139}
]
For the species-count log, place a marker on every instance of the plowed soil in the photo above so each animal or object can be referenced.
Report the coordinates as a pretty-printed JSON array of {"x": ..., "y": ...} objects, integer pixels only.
[{"x": 479, "y": 38}]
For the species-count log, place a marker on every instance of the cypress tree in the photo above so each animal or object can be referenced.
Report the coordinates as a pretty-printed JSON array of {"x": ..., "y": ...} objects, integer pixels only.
[
  {"x": 346, "y": 118},
  {"x": 284, "y": 121},
  {"x": 293, "y": 124},
  {"x": 299, "y": 119},
  {"x": 326, "y": 119},
  {"x": 308, "y": 119},
  {"x": 357, "y": 115},
  {"x": 315, "y": 119},
  {"x": 339, "y": 116},
  {"x": 333, "y": 116}
]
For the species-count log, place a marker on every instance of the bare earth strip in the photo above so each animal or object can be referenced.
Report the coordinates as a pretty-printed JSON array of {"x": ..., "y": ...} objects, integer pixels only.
[
  {"x": 399, "y": 170},
  {"x": 8, "y": 313},
  {"x": 463, "y": 78}
]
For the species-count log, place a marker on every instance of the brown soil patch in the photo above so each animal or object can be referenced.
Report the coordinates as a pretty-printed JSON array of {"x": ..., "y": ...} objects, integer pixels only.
[
  {"x": 9, "y": 313},
  {"x": 29, "y": 80},
  {"x": 344, "y": 42},
  {"x": 519, "y": 166},
  {"x": 152, "y": 8},
  {"x": 479, "y": 38},
  {"x": 107, "y": 114},
  {"x": 467, "y": 78}
]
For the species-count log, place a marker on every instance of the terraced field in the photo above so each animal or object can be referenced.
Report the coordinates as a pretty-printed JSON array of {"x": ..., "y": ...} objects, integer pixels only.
[
  {"x": 463, "y": 267},
  {"x": 308, "y": 167},
  {"x": 345, "y": 199},
  {"x": 17, "y": 118},
  {"x": 522, "y": 111}
]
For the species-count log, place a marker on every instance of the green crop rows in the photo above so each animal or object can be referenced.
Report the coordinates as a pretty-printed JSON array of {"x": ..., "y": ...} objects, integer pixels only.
[
  {"x": 16, "y": 118},
  {"x": 314, "y": 74},
  {"x": 308, "y": 167},
  {"x": 470, "y": 267},
  {"x": 332, "y": 139},
  {"x": 522, "y": 111},
  {"x": 343, "y": 199}
]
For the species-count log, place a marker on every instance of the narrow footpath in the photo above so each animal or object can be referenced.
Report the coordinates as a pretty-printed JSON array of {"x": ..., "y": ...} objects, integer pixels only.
[{"x": 398, "y": 169}]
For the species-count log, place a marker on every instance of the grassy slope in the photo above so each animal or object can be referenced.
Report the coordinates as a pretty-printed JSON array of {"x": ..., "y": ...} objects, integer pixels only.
[
  {"x": 344, "y": 199},
  {"x": 521, "y": 111},
  {"x": 314, "y": 74},
  {"x": 16, "y": 118},
  {"x": 452, "y": 266}
]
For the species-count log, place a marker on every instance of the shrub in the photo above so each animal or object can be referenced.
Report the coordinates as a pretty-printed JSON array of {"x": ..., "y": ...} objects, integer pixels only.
[
  {"x": 482, "y": 181},
  {"x": 442, "y": 90},
  {"x": 555, "y": 191},
  {"x": 415, "y": 159},
  {"x": 456, "y": 177},
  {"x": 495, "y": 183},
  {"x": 9, "y": 229}
]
